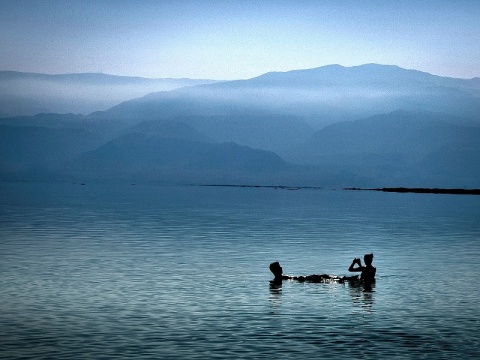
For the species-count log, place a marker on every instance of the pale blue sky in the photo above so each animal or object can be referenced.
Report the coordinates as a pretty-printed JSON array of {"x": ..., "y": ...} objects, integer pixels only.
[{"x": 237, "y": 39}]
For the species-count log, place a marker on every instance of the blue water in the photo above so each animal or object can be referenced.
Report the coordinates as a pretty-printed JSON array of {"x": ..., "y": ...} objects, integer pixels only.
[{"x": 101, "y": 271}]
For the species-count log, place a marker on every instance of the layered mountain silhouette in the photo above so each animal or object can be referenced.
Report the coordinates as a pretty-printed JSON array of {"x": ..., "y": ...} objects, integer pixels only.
[
  {"x": 31, "y": 93},
  {"x": 370, "y": 125},
  {"x": 398, "y": 147},
  {"x": 33, "y": 152},
  {"x": 322, "y": 96},
  {"x": 169, "y": 151}
]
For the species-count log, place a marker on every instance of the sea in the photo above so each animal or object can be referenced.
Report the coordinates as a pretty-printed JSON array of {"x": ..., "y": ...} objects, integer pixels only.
[{"x": 115, "y": 271}]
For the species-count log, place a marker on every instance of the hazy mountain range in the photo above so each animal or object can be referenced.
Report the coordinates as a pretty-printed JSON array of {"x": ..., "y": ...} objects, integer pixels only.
[
  {"x": 370, "y": 125},
  {"x": 321, "y": 96},
  {"x": 32, "y": 93}
]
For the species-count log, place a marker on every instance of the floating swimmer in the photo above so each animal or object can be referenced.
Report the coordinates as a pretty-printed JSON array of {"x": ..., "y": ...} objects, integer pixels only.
[
  {"x": 366, "y": 277},
  {"x": 277, "y": 271}
]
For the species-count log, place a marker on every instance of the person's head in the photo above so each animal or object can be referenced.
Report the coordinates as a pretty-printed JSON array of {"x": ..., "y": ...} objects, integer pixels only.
[
  {"x": 276, "y": 269},
  {"x": 368, "y": 258}
]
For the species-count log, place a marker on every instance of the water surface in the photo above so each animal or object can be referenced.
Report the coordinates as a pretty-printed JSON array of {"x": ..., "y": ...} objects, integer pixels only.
[{"x": 182, "y": 272}]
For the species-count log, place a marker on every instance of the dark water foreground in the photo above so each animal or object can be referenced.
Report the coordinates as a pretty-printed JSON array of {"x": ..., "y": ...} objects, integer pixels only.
[{"x": 182, "y": 273}]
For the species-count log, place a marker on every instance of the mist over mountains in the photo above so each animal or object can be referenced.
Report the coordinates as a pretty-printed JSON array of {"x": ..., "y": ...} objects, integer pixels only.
[
  {"x": 370, "y": 125},
  {"x": 33, "y": 93},
  {"x": 321, "y": 96}
]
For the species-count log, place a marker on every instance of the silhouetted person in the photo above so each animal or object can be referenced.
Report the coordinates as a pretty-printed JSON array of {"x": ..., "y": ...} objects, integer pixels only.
[
  {"x": 277, "y": 271},
  {"x": 368, "y": 271}
]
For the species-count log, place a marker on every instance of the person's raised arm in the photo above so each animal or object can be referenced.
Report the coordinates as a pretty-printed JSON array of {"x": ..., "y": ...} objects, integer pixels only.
[{"x": 355, "y": 269}]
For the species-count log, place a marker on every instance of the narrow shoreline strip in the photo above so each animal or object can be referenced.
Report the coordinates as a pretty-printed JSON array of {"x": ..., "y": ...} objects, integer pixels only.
[{"x": 421, "y": 190}]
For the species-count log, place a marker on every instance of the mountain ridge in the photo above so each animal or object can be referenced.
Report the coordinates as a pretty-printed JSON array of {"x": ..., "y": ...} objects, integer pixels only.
[
  {"x": 398, "y": 148},
  {"x": 322, "y": 95},
  {"x": 24, "y": 93},
  {"x": 381, "y": 126},
  {"x": 12, "y": 74}
]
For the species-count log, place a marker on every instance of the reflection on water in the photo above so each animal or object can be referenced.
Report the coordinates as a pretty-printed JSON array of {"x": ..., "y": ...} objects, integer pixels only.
[
  {"x": 362, "y": 297},
  {"x": 153, "y": 272},
  {"x": 275, "y": 297}
]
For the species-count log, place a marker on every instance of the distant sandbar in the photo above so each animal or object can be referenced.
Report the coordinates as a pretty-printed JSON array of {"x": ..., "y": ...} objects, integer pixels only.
[
  {"x": 385, "y": 189},
  {"x": 423, "y": 190}
]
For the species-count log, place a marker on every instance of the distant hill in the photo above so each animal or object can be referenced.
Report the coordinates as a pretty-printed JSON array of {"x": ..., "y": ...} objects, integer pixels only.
[
  {"x": 151, "y": 157},
  {"x": 266, "y": 132},
  {"x": 27, "y": 147},
  {"x": 150, "y": 151},
  {"x": 365, "y": 126},
  {"x": 276, "y": 133},
  {"x": 322, "y": 96},
  {"x": 398, "y": 148},
  {"x": 168, "y": 129},
  {"x": 32, "y": 93}
]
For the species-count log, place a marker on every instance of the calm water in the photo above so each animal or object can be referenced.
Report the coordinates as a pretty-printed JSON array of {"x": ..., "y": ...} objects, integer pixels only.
[{"x": 182, "y": 273}]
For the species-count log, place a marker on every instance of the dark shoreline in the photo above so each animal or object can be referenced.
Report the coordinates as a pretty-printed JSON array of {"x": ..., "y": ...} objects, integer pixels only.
[
  {"x": 457, "y": 191},
  {"x": 281, "y": 187},
  {"x": 422, "y": 190}
]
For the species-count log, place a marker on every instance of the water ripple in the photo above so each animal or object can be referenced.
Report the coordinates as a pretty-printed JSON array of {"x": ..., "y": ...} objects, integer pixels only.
[{"x": 152, "y": 272}]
